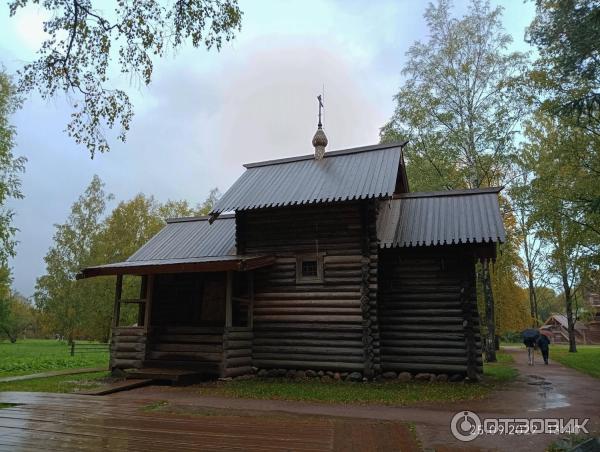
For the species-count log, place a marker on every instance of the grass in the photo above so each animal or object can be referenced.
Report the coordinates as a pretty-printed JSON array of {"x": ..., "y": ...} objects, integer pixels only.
[
  {"x": 568, "y": 442},
  {"x": 501, "y": 371},
  {"x": 38, "y": 355},
  {"x": 586, "y": 360},
  {"x": 63, "y": 384},
  {"x": 386, "y": 392}
]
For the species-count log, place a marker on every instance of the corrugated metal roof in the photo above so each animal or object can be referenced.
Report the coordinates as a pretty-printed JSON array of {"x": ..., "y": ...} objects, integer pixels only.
[
  {"x": 439, "y": 218},
  {"x": 187, "y": 238},
  {"x": 186, "y": 244},
  {"x": 358, "y": 173}
]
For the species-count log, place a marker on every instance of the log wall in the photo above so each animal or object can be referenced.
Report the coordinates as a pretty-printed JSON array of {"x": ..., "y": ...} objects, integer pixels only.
[
  {"x": 428, "y": 311},
  {"x": 322, "y": 325},
  {"x": 197, "y": 348},
  {"x": 237, "y": 351},
  {"x": 127, "y": 348}
]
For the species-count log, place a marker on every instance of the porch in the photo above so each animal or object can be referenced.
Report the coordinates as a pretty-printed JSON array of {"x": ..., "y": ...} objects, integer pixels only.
[{"x": 184, "y": 325}]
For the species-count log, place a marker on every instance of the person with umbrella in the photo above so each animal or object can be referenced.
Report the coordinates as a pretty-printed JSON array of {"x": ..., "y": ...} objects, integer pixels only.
[
  {"x": 543, "y": 342},
  {"x": 530, "y": 337}
]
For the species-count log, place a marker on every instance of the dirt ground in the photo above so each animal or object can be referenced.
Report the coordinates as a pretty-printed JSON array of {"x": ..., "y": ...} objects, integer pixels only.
[{"x": 171, "y": 418}]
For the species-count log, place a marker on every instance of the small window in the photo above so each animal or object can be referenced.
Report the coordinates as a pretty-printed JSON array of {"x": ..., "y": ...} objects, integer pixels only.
[{"x": 309, "y": 268}]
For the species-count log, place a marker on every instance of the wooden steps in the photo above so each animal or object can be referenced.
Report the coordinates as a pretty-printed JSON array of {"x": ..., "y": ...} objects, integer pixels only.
[
  {"x": 161, "y": 374},
  {"x": 125, "y": 385}
]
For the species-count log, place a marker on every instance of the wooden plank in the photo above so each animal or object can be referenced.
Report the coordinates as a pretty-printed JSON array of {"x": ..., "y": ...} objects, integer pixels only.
[
  {"x": 117, "y": 307},
  {"x": 228, "y": 299}
]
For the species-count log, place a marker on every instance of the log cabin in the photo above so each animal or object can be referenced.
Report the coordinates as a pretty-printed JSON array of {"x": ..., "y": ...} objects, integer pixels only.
[{"x": 324, "y": 262}]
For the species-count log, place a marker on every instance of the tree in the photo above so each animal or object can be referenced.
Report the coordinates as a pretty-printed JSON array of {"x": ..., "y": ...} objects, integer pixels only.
[
  {"x": 510, "y": 307},
  {"x": 548, "y": 302},
  {"x": 84, "y": 40},
  {"x": 206, "y": 207},
  {"x": 566, "y": 81},
  {"x": 526, "y": 229},
  {"x": 84, "y": 308},
  {"x": 10, "y": 167},
  {"x": 568, "y": 232},
  {"x": 459, "y": 108},
  {"x": 567, "y": 36},
  {"x": 19, "y": 316},
  {"x": 456, "y": 106},
  {"x": 57, "y": 295}
]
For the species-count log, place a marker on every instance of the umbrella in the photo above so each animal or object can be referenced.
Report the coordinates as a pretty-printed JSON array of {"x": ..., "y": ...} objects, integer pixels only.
[
  {"x": 546, "y": 333},
  {"x": 530, "y": 333}
]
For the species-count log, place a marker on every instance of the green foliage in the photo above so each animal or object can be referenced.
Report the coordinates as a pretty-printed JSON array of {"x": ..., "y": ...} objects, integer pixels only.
[
  {"x": 88, "y": 42},
  {"x": 586, "y": 360},
  {"x": 84, "y": 308},
  {"x": 17, "y": 317},
  {"x": 62, "y": 384},
  {"x": 10, "y": 167},
  {"x": 567, "y": 72},
  {"x": 457, "y": 106},
  {"x": 31, "y": 356},
  {"x": 58, "y": 297},
  {"x": 548, "y": 303},
  {"x": 566, "y": 82},
  {"x": 564, "y": 162}
]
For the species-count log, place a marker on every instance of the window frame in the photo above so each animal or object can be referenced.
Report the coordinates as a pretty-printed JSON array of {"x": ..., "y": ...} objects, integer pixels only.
[{"x": 300, "y": 259}]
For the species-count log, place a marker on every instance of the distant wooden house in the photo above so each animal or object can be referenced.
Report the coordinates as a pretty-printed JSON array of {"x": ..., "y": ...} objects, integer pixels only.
[
  {"x": 558, "y": 326},
  {"x": 323, "y": 262}
]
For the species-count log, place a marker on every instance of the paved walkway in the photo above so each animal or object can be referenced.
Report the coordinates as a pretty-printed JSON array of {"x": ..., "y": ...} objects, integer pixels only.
[
  {"x": 68, "y": 422},
  {"x": 52, "y": 373},
  {"x": 565, "y": 393},
  {"x": 211, "y": 423}
]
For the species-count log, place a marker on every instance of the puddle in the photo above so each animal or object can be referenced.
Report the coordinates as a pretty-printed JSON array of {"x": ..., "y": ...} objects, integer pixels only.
[{"x": 547, "y": 398}]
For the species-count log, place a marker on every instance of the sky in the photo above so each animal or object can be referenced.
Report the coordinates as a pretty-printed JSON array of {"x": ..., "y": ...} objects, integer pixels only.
[{"x": 207, "y": 112}]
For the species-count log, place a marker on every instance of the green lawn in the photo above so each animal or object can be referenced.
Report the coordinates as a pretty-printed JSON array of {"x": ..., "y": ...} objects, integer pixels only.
[
  {"x": 32, "y": 355},
  {"x": 586, "y": 360},
  {"x": 64, "y": 383},
  {"x": 387, "y": 392}
]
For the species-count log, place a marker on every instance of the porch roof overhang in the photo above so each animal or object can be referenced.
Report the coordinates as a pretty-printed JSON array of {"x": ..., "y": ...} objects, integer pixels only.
[{"x": 195, "y": 264}]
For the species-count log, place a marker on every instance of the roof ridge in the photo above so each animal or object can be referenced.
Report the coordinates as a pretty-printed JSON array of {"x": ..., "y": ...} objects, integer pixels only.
[
  {"x": 299, "y": 158},
  {"x": 459, "y": 192},
  {"x": 224, "y": 216}
]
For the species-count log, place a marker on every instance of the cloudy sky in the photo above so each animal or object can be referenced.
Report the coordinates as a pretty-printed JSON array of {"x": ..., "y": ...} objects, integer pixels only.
[{"x": 206, "y": 113}]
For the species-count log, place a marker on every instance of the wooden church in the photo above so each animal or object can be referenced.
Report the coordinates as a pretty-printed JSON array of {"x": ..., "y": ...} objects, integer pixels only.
[{"x": 325, "y": 262}]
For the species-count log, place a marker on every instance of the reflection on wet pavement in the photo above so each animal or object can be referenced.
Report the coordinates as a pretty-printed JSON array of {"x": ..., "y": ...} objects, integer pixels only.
[{"x": 547, "y": 397}]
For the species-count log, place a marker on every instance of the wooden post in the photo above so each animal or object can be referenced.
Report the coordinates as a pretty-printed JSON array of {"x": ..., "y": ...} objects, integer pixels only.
[
  {"x": 142, "y": 306},
  {"x": 148, "y": 305},
  {"x": 466, "y": 301},
  {"x": 228, "y": 296},
  {"x": 251, "y": 299},
  {"x": 73, "y": 348},
  {"x": 118, "y": 291}
]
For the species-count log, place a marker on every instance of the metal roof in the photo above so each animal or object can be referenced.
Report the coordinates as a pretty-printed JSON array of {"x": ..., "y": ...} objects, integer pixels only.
[
  {"x": 185, "y": 244},
  {"x": 186, "y": 238},
  {"x": 440, "y": 218},
  {"x": 360, "y": 173}
]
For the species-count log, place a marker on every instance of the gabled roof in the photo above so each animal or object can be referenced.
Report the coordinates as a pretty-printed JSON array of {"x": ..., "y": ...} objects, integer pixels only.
[
  {"x": 562, "y": 320},
  {"x": 359, "y": 173},
  {"x": 441, "y": 218},
  {"x": 186, "y": 244}
]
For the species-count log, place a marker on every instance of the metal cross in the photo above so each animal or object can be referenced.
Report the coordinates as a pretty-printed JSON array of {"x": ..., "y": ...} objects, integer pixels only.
[{"x": 320, "y": 99}]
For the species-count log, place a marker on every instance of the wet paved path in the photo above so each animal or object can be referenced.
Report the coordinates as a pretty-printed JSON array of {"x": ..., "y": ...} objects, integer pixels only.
[
  {"x": 68, "y": 422},
  {"x": 118, "y": 422}
]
